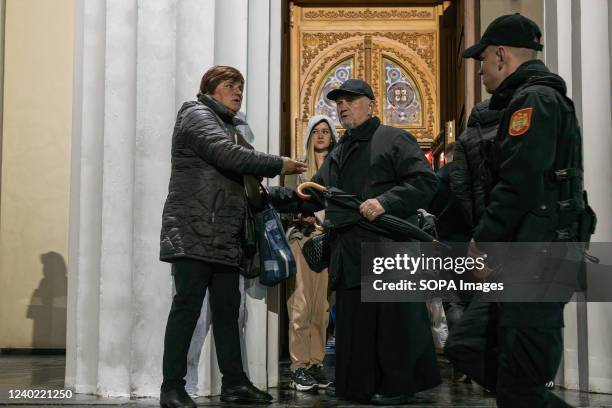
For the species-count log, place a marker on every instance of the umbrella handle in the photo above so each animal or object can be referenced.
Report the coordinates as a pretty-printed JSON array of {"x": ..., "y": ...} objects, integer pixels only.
[{"x": 309, "y": 184}]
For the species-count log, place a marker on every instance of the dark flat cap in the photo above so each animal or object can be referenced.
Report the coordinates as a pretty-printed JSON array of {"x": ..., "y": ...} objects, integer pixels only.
[{"x": 352, "y": 87}]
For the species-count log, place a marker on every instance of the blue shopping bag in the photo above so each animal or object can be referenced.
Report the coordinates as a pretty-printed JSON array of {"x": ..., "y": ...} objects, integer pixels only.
[{"x": 275, "y": 257}]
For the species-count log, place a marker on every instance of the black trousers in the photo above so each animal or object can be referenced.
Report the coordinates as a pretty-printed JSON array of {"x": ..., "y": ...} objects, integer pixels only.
[
  {"x": 454, "y": 313},
  {"x": 472, "y": 344},
  {"x": 528, "y": 358},
  {"x": 191, "y": 279},
  {"x": 382, "y": 348},
  {"x": 515, "y": 362}
]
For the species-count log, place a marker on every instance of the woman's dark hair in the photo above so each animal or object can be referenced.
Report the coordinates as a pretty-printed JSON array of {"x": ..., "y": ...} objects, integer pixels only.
[
  {"x": 332, "y": 141},
  {"x": 217, "y": 74}
]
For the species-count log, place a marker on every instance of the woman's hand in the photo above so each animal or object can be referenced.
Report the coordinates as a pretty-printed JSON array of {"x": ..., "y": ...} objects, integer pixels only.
[{"x": 291, "y": 166}]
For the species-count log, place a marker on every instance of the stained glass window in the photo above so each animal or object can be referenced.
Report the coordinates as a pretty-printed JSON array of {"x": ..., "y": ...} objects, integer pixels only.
[
  {"x": 402, "y": 105},
  {"x": 334, "y": 78}
]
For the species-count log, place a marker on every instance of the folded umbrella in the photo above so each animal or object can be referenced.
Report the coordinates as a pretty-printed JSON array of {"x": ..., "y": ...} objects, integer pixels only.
[{"x": 342, "y": 209}]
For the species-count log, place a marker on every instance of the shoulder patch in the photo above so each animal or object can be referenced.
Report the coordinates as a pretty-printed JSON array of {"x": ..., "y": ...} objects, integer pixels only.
[{"x": 520, "y": 121}]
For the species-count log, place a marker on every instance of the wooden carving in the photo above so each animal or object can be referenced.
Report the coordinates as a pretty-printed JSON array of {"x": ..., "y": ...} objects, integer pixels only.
[{"x": 369, "y": 14}]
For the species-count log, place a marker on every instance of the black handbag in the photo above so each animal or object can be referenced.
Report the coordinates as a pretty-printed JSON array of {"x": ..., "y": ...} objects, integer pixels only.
[
  {"x": 250, "y": 267},
  {"x": 250, "y": 259},
  {"x": 317, "y": 252}
]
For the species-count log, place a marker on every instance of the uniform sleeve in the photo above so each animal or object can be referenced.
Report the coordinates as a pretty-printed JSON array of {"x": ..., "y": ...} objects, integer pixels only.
[
  {"x": 209, "y": 140},
  {"x": 527, "y": 147},
  {"x": 416, "y": 182}
]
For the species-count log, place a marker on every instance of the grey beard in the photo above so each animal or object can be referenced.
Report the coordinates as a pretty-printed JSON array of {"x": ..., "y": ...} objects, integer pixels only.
[{"x": 348, "y": 125}]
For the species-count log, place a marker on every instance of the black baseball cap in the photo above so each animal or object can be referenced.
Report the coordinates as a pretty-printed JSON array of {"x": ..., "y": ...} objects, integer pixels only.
[
  {"x": 352, "y": 86},
  {"x": 513, "y": 30}
]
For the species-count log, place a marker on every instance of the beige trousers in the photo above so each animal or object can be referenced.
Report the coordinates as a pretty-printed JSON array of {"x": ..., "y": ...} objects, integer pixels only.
[{"x": 308, "y": 312}]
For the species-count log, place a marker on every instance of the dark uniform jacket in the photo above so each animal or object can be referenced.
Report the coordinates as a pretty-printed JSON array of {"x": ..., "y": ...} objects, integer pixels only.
[
  {"x": 470, "y": 175},
  {"x": 204, "y": 214},
  {"x": 375, "y": 161},
  {"x": 538, "y": 135}
]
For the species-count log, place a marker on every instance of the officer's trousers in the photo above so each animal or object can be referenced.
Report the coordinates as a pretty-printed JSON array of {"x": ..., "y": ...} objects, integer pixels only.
[
  {"x": 191, "y": 279},
  {"x": 528, "y": 358},
  {"x": 514, "y": 362}
]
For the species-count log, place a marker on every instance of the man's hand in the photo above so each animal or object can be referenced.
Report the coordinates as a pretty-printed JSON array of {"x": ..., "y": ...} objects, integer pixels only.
[
  {"x": 291, "y": 166},
  {"x": 309, "y": 219},
  {"x": 474, "y": 252},
  {"x": 371, "y": 209}
]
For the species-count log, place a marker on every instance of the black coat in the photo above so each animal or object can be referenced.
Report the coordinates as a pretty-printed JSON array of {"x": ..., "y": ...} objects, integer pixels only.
[
  {"x": 524, "y": 200},
  {"x": 453, "y": 223},
  {"x": 470, "y": 174},
  {"x": 204, "y": 214},
  {"x": 538, "y": 135},
  {"x": 375, "y": 161}
]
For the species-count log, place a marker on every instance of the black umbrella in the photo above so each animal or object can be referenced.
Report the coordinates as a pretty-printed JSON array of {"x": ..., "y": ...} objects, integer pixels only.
[{"x": 342, "y": 209}]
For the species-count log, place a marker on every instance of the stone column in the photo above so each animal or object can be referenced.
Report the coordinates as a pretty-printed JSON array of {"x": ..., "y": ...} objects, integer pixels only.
[
  {"x": 86, "y": 197},
  {"x": 597, "y": 131},
  {"x": 577, "y": 47},
  {"x": 136, "y": 61}
]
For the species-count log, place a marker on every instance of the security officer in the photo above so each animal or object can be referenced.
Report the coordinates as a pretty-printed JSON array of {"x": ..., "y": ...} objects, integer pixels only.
[{"x": 537, "y": 196}]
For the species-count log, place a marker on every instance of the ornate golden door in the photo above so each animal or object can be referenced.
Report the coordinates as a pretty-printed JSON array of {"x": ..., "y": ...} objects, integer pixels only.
[{"x": 395, "y": 49}]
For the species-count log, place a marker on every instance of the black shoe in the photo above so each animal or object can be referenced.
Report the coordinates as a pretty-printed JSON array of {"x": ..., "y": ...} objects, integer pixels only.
[
  {"x": 302, "y": 380},
  {"x": 380, "y": 399},
  {"x": 330, "y": 391},
  {"x": 176, "y": 398},
  {"x": 244, "y": 394},
  {"x": 317, "y": 373}
]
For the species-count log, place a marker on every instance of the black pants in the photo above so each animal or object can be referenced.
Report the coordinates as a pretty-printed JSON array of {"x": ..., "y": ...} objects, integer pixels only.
[
  {"x": 528, "y": 358},
  {"x": 454, "y": 313},
  {"x": 515, "y": 362},
  {"x": 472, "y": 344},
  {"x": 191, "y": 278},
  {"x": 382, "y": 348}
]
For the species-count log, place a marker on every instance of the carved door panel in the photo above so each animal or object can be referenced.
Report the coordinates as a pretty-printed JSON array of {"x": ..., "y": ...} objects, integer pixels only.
[{"x": 395, "y": 49}]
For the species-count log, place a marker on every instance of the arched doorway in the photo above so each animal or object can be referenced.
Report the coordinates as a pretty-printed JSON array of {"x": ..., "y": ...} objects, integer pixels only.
[{"x": 395, "y": 49}]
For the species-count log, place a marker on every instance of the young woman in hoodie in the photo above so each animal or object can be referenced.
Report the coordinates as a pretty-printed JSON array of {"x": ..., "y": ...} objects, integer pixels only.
[{"x": 307, "y": 302}]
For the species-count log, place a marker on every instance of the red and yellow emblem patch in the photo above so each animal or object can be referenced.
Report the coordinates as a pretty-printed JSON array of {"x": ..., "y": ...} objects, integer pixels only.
[{"x": 520, "y": 122}]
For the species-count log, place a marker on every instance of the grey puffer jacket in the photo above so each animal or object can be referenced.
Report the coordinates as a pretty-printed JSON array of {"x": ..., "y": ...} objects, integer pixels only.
[{"x": 203, "y": 217}]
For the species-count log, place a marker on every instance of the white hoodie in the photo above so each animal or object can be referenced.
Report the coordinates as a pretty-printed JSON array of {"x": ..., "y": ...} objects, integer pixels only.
[{"x": 315, "y": 121}]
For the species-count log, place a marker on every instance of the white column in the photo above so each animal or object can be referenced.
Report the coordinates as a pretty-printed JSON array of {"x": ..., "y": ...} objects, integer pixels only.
[
  {"x": 195, "y": 46},
  {"x": 274, "y": 138},
  {"x": 258, "y": 79},
  {"x": 155, "y": 115},
  {"x": 86, "y": 197},
  {"x": 136, "y": 62},
  {"x": 116, "y": 269},
  {"x": 231, "y": 28},
  {"x": 578, "y": 31},
  {"x": 597, "y": 130},
  {"x": 558, "y": 57}
]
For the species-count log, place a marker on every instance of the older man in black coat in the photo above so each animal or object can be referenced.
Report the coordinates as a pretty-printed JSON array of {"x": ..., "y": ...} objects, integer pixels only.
[{"x": 384, "y": 351}]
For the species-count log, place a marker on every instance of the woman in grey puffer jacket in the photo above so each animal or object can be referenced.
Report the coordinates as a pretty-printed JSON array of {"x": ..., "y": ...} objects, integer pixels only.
[{"x": 202, "y": 231}]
